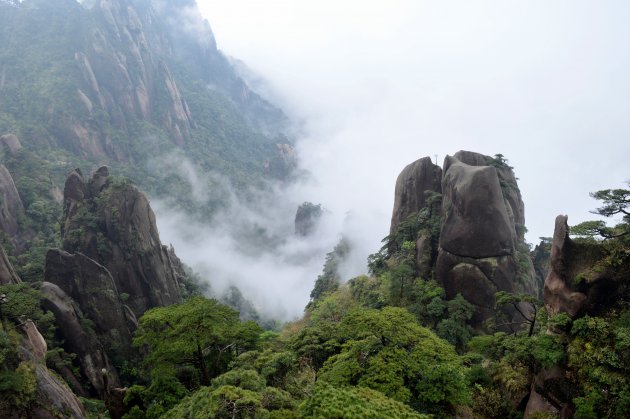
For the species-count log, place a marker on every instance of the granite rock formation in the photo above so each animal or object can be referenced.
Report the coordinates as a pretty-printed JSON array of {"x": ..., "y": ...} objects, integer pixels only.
[
  {"x": 413, "y": 183},
  {"x": 585, "y": 278},
  {"x": 10, "y": 143},
  {"x": 112, "y": 223},
  {"x": 111, "y": 270},
  {"x": 91, "y": 355},
  {"x": 53, "y": 397},
  {"x": 306, "y": 218},
  {"x": 480, "y": 249}
]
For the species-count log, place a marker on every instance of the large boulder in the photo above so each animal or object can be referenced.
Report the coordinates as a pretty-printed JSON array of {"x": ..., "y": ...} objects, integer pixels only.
[
  {"x": 478, "y": 248},
  {"x": 112, "y": 223},
  {"x": 11, "y": 207},
  {"x": 476, "y": 220},
  {"x": 92, "y": 287},
  {"x": 412, "y": 185}
]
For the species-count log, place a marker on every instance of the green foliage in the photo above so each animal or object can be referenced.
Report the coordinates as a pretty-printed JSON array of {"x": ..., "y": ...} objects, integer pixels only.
[
  {"x": 18, "y": 388},
  {"x": 387, "y": 351},
  {"x": 353, "y": 402},
  {"x": 599, "y": 355},
  {"x": 524, "y": 304},
  {"x": 24, "y": 302},
  {"x": 94, "y": 408},
  {"x": 199, "y": 332},
  {"x": 224, "y": 402},
  {"x": 499, "y": 161},
  {"x": 368, "y": 291},
  {"x": 329, "y": 280},
  {"x": 401, "y": 244},
  {"x": 616, "y": 202},
  {"x": 244, "y": 378},
  {"x": 320, "y": 337}
]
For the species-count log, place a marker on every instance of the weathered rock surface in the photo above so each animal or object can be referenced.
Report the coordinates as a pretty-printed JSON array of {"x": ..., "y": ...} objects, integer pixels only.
[
  {"x": 480, "y": 249},
  {"x": 581, "y": 281},
  {"x": 413, "y": 183},
  {"x": 113, "y": 224},
  {"x": 509, "y": 187},
  {"x": 92, "y": 287},
  {"x": 36, "y": 342},
  {"x": 91, "y": 354},
  {"x": 11, "y": 207},
  {"x": 53, "y": 397},
  {"x": 577, "y": 283},
  {"x": 476, "y": 222},
  {"x": 7, "y": 273}
]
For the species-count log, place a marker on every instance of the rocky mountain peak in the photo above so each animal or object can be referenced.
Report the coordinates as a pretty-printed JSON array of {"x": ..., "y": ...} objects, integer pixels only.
[{"x": 479, "y": 249}]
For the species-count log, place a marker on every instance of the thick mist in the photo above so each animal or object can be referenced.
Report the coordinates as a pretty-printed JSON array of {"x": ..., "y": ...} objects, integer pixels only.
[
  {"x": 375, "y": 86},
  {"x": 250, "y": 242}
]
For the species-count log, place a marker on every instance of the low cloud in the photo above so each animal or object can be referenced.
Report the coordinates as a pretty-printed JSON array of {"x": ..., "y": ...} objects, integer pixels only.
[{"x": 250, "y": 241}]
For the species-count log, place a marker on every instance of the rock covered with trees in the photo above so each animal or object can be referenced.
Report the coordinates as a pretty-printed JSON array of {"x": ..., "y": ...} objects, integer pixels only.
[{"x": 464, "y": 224}]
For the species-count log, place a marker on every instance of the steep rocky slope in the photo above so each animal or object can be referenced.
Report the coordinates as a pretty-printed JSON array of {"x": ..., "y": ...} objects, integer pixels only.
[
  {"x": 587, "y": 286},
  {"x": 112, "y": 269},
  {"x": 131, "y": 82}
]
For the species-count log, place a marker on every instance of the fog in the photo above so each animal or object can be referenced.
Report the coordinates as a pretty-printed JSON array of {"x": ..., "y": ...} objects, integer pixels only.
[{"x": 376, "y": 85}]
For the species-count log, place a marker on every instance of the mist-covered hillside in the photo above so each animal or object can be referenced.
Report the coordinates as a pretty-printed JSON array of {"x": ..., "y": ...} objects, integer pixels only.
[{"x": 130, "y": 83}]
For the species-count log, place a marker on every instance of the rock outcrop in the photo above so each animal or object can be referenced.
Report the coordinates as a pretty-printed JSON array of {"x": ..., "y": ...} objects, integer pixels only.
[
  {"x": 476, "y": 222},
  {"x": 92, "y": 287},
  {"x": 112, "y": 223},
  {"x": 112, "y": 269},
  {"x": 306, "y": 218},
  {"x": 580, "y": 280},
  {"x": 11, "y": 207},
  {"x": 412, "y": 186},
  {"x": 53, "y": 396},
  {"x": 585, "y": 278},
  {"x": 480, "y": 249},
  {"x": 84, "y": 343}
]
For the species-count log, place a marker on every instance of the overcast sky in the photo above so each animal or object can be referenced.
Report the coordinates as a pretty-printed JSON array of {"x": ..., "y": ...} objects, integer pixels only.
[{"x": 380, "y": 84}]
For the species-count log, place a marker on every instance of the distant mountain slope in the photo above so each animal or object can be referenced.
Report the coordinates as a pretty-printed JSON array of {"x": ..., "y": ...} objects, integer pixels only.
[{"x": 122, "y": 82}]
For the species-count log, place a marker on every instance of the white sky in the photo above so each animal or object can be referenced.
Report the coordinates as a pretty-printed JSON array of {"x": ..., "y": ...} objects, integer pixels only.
[{"x": 380, "y": 84}]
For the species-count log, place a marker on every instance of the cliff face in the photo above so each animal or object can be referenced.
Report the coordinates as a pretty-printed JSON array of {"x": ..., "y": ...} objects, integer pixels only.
[
  {"x": 113, "y": 224},
  {"x": 412, "y": 185},
  {"x": 586, "y": 278},
  {"x": 52, "y": 397},
  {"x": 112, "y": 269},
  {"x": 481, "y": 248},
  {"x": 129, "y": 76}
]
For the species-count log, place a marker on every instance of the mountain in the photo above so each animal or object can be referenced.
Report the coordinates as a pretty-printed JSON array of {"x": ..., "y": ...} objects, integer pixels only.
[
  {"x": 105, "y": 103},
  {"x": 124, "y": 83},
  {"x": 136, "y": 85},
  {"x": 464, "y": 225}
]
